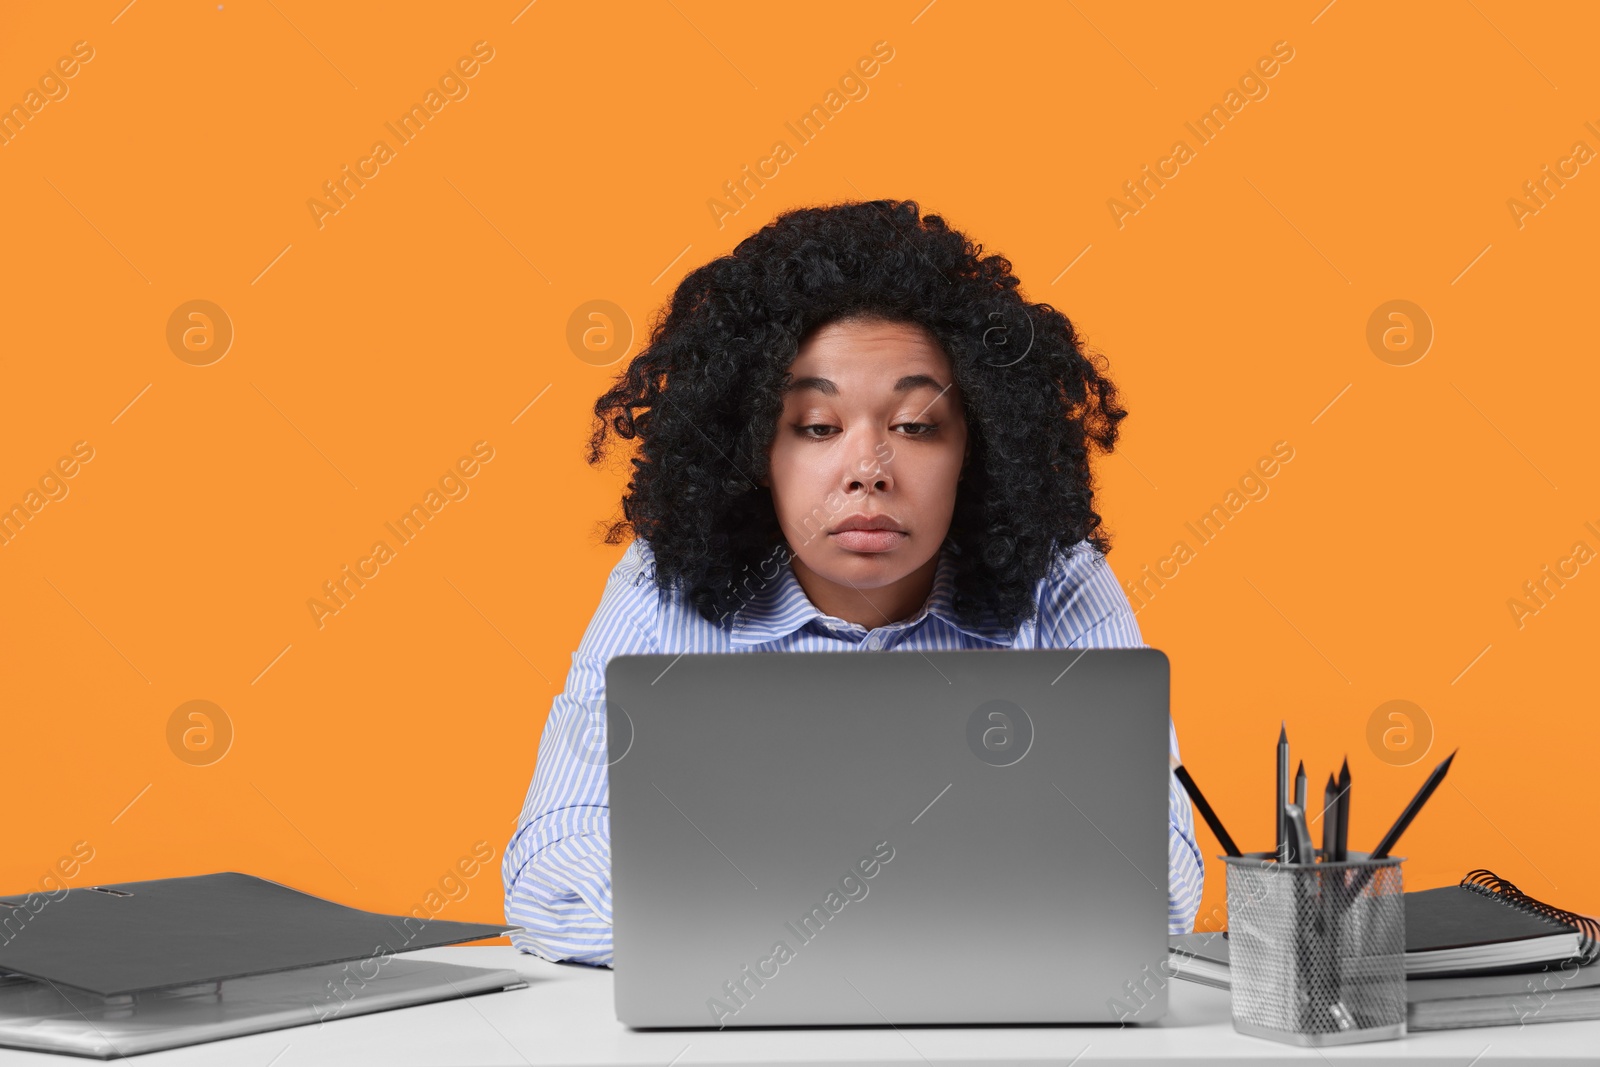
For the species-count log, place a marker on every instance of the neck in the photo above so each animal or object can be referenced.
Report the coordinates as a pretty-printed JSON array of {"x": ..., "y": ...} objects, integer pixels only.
[{"x": 868, "y": 608}]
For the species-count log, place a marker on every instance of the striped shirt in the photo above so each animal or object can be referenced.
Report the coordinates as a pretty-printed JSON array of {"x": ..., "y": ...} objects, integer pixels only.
[{"x": 557, "y": 868}]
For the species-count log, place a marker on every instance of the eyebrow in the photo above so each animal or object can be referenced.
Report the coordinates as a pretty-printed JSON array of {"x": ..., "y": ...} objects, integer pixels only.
[{"x": 828, "y": 388}]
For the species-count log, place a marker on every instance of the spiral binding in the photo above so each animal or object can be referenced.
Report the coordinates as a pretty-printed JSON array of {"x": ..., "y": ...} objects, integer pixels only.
[{"x": 1492, "y": 885}]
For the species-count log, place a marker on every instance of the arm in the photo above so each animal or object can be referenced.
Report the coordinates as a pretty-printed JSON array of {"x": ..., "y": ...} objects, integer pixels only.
[
  {"x": 557, "y": 869},
  {"x": 1185, "y": 873},
  {"x": 1082, "y": 606}
]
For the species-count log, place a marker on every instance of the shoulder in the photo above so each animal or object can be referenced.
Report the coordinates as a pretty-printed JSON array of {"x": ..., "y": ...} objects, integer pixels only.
[
  {"x": 638, "y": 563},
  {"x": 1075, "y": 565},
  {"x": 632, "y": 582},
  {"x": 1079, "y": 596}
]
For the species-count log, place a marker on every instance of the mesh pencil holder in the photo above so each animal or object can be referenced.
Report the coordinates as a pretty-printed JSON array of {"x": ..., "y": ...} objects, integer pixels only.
[{"x": 1317, "y": 950}]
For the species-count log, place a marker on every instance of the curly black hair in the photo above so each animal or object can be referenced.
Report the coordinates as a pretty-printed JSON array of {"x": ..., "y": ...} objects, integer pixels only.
[{"x": 705, "y": 395}]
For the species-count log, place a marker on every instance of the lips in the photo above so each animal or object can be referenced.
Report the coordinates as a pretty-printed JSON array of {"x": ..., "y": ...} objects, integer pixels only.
[
  {"x": 867, "y": 540},
  {"x": 868, "y": 533},
  {"x": 869, "y": 522}
]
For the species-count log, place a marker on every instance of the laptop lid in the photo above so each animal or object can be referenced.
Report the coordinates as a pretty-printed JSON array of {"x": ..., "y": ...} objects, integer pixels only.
[{"x": 974, "y": 836}]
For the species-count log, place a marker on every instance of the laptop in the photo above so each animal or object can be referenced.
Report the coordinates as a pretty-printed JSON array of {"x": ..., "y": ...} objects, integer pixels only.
[
  {"x": 904, "y": 837},
  {"x": 114, "y": 970},
  {"x": 48, "y": 1017}
]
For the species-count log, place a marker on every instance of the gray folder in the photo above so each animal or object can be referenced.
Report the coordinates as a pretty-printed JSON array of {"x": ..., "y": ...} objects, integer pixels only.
[
  {"x": 174, "y": 961},
  {"x": 131, "y": 936}
]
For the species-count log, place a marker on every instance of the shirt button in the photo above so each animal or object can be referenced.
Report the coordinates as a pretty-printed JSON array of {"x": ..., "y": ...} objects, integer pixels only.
[{"x": 874, "y": 642}]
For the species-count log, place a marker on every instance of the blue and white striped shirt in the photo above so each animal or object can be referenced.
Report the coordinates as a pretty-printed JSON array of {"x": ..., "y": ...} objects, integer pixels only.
[{"x": 557, "y": 868}]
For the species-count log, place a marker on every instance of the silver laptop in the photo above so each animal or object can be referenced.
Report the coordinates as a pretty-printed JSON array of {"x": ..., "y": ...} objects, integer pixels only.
[
  {"x": 903, "y": 837},
  {"x": 47, "y": 1017}
]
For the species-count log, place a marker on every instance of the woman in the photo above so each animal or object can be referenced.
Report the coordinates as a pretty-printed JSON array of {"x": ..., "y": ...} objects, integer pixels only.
[{"x": 854, "y": 434}]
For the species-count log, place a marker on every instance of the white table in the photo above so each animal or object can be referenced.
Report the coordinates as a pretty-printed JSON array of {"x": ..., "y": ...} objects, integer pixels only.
[{"x": 565, "y": 1016}]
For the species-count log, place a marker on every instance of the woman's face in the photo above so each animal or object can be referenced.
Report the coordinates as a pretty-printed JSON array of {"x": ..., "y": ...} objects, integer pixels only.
[{"x": 872, "y": 428}]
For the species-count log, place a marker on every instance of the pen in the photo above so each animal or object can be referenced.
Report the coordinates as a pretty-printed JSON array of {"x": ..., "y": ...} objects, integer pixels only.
[
  {"x": 1412, "y": 808},
  {"x": 1282, "y": 841},
  {"x": 1299, "y": 837},
  {"x": 1342, "y": 841},
  {"x": 1206, "y": 813},
  {"x": 1300, "y": 786}
]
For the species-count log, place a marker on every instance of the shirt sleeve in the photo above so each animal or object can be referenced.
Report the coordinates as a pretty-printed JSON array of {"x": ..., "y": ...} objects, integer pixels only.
[
  {"x": 1083, "y": 606},
  {"x": 557, "y": 869}
]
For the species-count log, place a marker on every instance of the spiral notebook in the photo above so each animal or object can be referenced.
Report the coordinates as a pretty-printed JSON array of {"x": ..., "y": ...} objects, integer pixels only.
[
  {"x": 1551, "y": 993},
  {"x": 1482, "y": 953},
  {"x": 1487, "y": 924},
  {"x": 1484, "y": 925}
]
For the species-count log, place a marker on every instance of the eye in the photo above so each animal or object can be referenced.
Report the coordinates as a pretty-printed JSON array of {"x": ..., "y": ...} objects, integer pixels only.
[{"x": 919, "y": 429}]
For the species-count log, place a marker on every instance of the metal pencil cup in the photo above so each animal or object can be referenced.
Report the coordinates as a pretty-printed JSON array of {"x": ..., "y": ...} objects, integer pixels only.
[{"x": 1317, "y": 950}]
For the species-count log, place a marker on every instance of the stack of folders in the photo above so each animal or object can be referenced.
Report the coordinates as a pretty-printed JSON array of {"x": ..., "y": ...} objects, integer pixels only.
[
  {"x": 1481, "y": 953},
  {"x": 115, "y": 970}
]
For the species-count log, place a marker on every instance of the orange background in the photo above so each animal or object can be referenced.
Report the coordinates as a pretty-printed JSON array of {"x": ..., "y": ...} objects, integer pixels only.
[{"x": 370, "y": 755}]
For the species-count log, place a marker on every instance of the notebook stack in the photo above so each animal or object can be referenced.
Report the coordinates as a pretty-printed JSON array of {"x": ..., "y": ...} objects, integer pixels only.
[{"x": 1481, "y": 953}]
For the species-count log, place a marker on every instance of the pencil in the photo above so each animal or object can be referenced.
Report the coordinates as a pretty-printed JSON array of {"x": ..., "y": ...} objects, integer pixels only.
[
  {"x": 1206, "y": 813},
  {"x": 1342, "y": 842},
  {"x": 1412, "y": 808},
  {"x": 1283, "y": 791},
  {"x": 1330, "y": 818},
  {"x": 1300, "y": 786}
]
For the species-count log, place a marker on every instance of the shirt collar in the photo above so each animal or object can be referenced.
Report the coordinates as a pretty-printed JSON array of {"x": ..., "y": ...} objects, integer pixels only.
[{"x": 781, "y": 607}]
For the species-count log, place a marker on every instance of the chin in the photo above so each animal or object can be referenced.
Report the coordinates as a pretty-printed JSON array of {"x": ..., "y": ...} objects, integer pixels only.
[{"x": 890, "y": 565}]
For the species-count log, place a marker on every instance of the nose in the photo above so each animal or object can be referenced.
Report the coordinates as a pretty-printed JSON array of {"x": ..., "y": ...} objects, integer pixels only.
[{"x": 869, "y": 472}]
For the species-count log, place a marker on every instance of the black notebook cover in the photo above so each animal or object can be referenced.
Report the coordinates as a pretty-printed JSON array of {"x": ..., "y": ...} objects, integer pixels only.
[
  {"x": 178, "y": 931},
  {"x": 1451, "y": 916},
  {"x": 1454, "y": 916}
]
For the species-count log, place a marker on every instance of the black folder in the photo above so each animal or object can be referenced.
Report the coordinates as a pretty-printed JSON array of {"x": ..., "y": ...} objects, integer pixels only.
[{"x": 132, "y": 937}]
